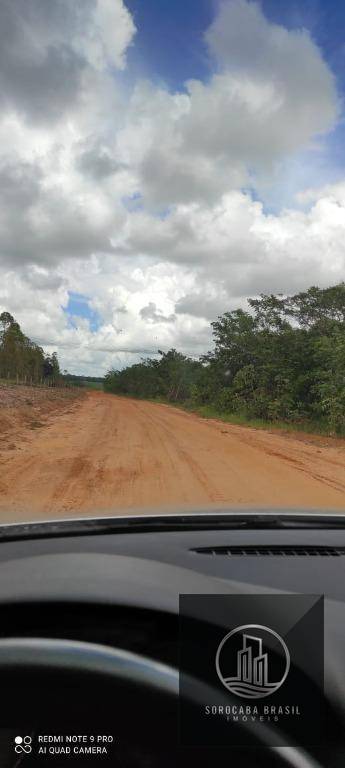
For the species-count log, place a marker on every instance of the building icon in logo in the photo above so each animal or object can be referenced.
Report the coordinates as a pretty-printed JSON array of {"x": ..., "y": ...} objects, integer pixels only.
[
  {"x": 252, "y": 679},
  {"x": 251, "y": 668}
]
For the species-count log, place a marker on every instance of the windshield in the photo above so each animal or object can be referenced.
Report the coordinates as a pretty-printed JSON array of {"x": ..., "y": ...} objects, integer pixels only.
[{"x": 172, "y": 223}]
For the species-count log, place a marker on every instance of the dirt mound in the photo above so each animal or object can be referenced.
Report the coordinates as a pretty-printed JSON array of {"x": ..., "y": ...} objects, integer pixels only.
[{"x": 24, "y": 408}]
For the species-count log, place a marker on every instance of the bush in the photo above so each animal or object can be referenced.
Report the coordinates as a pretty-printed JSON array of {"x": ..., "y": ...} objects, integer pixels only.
[
  {"x": 334, "y": 408},
  {"x": 225, "y": 400}
]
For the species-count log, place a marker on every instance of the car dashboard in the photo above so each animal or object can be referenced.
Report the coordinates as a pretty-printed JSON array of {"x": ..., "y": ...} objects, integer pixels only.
[{"x": 121, "y": 588}]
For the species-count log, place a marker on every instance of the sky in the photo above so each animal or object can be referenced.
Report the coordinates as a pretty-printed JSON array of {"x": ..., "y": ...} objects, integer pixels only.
[{"x": 162, "y": 161}]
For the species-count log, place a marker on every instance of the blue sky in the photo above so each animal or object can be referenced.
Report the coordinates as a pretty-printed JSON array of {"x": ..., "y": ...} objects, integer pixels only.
[
  {"x": 78, "y": 306},
  {"x": 169, "y": 44}
]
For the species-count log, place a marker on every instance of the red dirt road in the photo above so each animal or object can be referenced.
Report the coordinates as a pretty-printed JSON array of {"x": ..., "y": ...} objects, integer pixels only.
[{"x": 108, "y": 454}]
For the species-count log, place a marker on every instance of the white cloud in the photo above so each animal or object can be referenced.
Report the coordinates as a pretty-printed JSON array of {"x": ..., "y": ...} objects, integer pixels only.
[
  {"x": 271, "y": 95},
  {"x": 48, "y": 50},
  {"x": 134, "y": 198},
  {"x": 234, "y": 248},
  {"x": 111, "y": 31},
  {"x": 153, "y": 314},
  {"x": 147, "y": 303}
]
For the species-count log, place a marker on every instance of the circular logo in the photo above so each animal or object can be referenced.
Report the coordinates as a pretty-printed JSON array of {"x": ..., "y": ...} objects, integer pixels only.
[{"x": 252, "y": 661}]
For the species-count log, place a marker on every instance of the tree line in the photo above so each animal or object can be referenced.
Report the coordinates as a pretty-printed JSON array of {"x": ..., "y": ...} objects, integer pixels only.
[
  {"x": 78, "y": 380},
  {"x": 283, "y": 359},
  {"x": 21, "y": 359}
]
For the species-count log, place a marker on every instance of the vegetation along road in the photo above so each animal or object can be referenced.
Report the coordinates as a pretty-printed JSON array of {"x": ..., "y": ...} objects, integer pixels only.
[{"x": 107, "y": 453}]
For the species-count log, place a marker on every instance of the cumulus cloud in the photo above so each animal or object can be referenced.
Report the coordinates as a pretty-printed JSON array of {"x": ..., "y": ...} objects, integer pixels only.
[
  {"x": 133, "y": 195},
  {"x": 150, "y": 313},
  {"x": 110, "y": 33},
  {"x": 43, "y": 221},
  {"x": 60, "y": 184},
  {"x": 123, "y": 336},
  {"x": 96, "y": 161},
  {"x": 235, "y": 248},
  {"x": 271, "y": 94},
  {"x": 201, "y": 305},
  {"x": 46, "y": 49},
  {"x": 147, "y": 303},
  {"x": 195, "y": 233}
]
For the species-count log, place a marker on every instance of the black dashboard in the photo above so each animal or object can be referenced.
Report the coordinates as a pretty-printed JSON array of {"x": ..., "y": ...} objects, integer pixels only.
[
  {"x": 121, "y": 587},
  {"x": 149, "y": 569}
]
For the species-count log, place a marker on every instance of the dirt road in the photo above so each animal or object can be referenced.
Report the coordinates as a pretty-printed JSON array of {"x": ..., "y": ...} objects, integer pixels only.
[{"x": 107, "y": 453}]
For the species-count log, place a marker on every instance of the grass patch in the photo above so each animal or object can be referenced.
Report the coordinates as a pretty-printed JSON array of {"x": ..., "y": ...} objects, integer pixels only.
[
  {"x": 312, "y": 427},
  {"x": 210, "y": 412},
  {"x": 239, "y": 419}
]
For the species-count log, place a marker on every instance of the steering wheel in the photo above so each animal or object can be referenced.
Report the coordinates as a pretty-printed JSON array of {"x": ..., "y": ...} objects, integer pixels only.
[{"x": 19, "y": 656}]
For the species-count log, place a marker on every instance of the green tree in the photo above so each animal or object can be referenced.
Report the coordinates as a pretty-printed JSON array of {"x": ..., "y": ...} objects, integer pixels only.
[
  {"x": 20, "y": 358},
  {"x": 282, "y": 360}
]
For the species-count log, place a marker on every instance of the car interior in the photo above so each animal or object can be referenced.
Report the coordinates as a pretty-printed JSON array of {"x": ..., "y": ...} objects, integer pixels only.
[{"x": 90, "y": 625}]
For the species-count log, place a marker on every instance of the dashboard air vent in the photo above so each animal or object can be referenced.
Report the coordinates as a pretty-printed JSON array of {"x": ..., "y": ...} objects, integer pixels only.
[{"x": 271, "y": 551}]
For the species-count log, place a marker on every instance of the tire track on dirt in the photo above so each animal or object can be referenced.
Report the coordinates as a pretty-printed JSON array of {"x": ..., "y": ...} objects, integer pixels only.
[{"x": 112, "y": 454}]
